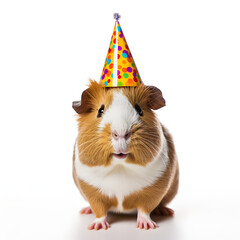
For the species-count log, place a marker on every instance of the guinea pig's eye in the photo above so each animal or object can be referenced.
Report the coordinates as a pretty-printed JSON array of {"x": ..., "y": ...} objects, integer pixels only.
[
  {"x": 100, "y": 111},
  {"x": 139, "y": 110}
]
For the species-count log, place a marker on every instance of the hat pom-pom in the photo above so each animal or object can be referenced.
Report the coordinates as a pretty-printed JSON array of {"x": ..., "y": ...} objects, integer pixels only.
[{"x": 116, "y": 16}]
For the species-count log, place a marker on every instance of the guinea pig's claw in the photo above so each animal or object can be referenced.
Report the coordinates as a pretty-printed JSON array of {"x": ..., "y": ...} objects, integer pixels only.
[{"x": 99, "y": 223}]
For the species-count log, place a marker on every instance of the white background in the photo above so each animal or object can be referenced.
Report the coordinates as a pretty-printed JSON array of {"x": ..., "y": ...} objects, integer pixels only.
[{"x": 49, "y": 49}]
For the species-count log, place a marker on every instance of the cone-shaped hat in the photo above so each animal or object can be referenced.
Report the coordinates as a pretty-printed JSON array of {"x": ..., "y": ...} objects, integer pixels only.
[{"x": 119, "y": 69}]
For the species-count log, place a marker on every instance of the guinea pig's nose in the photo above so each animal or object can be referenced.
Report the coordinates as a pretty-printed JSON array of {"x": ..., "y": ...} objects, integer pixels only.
[{"x": 116, "y": 135}]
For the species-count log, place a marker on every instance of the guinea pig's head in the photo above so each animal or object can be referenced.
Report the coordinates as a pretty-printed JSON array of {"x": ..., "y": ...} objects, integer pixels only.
[{"x": 118, "y": 124}]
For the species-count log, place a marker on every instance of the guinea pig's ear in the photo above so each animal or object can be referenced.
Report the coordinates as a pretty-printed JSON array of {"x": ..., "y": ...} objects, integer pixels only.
[
  {"x": 83, "y": 106},
  {"x": 156, "y": 99}
]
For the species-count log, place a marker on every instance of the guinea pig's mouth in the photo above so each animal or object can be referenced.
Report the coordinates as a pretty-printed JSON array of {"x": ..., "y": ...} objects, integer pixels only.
[{"x": 120, "y": 155}]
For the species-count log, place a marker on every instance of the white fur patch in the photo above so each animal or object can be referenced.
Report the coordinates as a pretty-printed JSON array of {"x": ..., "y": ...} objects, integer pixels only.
[
  {"x": 99, "y": 220},
  {"x": 120, "y": 178},
  {"x": 120, "y": 115}
]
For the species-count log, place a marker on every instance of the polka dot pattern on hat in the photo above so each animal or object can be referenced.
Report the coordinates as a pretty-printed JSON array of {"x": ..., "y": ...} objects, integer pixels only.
[{"x": 121, "y": 67}]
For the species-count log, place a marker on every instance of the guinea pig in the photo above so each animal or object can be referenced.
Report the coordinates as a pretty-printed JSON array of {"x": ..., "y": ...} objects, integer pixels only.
[{"x": 124, "y": 159}]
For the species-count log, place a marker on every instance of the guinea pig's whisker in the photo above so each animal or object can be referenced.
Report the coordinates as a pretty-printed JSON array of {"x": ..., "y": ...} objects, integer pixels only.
[
  {"x": 143, "y": 149},
  {"x": 84, "y": 143},
  {"x": 145, "y": 141},
  {"x": 149, "y": 137},
  {"x": 156, "y": 147},
  {"x": 152, "y": 148},
  {"x": 149, "y": 144}
]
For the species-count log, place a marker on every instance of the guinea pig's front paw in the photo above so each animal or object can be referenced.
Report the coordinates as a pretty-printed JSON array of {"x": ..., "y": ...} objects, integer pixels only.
[
  {"x": 99, "y": 223},
  {"x": 144, "y": 221}
]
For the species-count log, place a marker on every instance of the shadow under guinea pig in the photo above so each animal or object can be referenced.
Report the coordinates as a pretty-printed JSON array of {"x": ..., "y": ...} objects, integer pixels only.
[{"x": 125, "y": 228}]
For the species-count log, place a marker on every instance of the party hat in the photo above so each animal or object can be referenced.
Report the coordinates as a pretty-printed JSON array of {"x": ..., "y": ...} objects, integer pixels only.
[{"x": 119, "y": 69}]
